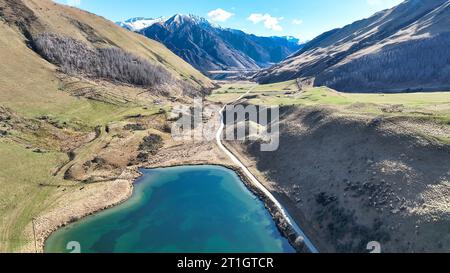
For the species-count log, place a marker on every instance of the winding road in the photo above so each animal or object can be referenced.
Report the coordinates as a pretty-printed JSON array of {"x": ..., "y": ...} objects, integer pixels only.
[{"x": 255, "y": 181}]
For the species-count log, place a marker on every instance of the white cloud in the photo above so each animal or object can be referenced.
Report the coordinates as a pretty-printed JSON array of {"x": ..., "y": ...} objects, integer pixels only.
[
  {"x": 270, "y": 22},
  {"x": 297, "y": 21},
  {"x": 74, "y": 3},
  {"x": 220, "y": 15}
]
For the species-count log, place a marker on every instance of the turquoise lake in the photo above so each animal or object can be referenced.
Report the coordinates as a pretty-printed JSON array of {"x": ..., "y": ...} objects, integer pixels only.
[{"x": 190, "y": 209}]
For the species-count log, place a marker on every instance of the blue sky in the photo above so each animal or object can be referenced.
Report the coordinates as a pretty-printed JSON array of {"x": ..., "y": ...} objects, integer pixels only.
[{"x": 303, "y": 19}]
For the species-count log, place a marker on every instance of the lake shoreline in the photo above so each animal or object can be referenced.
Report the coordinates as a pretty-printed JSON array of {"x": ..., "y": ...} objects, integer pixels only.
[
  {"x": 56, "y": 220},
  {"x": 133, "y": 174},
  {"x": 281, "y": 223}
]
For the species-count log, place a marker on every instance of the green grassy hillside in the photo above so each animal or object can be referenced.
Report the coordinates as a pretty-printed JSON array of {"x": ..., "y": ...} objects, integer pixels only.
[
  {"x": 431, "y": 107},
  {"x": 51, "y": 122}
]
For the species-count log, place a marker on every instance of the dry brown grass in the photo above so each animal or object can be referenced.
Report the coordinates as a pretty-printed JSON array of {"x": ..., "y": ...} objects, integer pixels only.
[{"x": 34, "y": 150}]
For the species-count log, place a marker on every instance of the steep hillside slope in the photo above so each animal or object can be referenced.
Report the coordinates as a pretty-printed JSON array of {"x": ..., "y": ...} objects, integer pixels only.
[
  {"x": 352, "y": 179},
  {"x": 38, "y": 16},
  {"x": 401, "y": 49},
  {"x": 208, "y": 47},
  {"x": 65, "y": 123}
]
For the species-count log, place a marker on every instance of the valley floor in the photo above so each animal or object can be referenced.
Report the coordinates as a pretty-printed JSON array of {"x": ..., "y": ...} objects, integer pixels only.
[
  {"x": 351, "y": 168},
  {"x": 355, "y": 168}
]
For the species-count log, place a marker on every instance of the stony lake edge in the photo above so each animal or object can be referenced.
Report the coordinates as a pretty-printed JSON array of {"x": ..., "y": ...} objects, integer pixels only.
[{"x": 134, "y": 174}]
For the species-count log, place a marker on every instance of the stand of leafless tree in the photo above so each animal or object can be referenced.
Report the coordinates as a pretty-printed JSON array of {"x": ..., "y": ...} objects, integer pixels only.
[
  {"x": 409, "y": 66},
  {"x": 115, "y": 64}
]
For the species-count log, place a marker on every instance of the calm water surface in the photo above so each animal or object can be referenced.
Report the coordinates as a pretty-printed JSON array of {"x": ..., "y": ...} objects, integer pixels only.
[{"x": 188, "y": 209}]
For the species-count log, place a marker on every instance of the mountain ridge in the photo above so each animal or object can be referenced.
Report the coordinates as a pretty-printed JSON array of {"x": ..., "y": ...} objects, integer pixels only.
[
  {"x": 139, "y": 23},
  {"x": 25, "y": 21},
  {"x": 335, "y": 58},
  {"x": 208, "y": 46}
]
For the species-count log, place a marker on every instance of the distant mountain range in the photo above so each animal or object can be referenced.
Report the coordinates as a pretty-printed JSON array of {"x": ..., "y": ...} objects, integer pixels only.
[
  {"x": 209, "y": 47},
  {"x": 406, "y": 48},
  {"x": 139, "y": 23}
]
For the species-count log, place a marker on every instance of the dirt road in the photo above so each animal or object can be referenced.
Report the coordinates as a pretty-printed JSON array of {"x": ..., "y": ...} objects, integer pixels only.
[{"x": 258, "y": 184}]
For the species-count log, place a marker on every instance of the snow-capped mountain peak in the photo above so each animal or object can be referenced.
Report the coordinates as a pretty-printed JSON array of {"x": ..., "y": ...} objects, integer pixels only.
[
  {"x": 178, "y": 19},
  {"x": 139, "y": 23}
]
